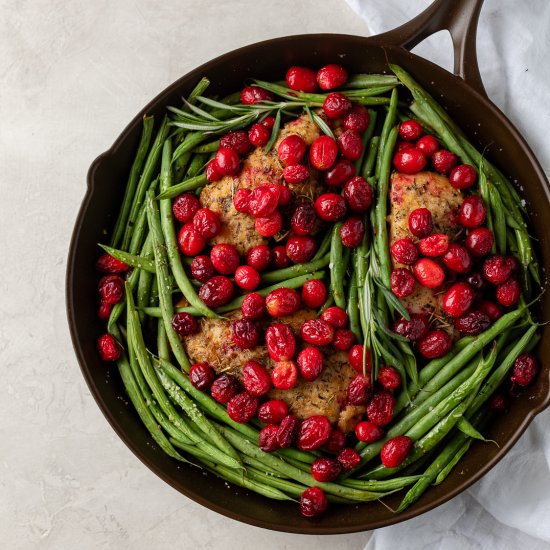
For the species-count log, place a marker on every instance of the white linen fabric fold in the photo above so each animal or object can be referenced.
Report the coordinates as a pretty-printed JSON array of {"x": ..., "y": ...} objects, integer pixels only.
[{"x": 510, "y": 507}]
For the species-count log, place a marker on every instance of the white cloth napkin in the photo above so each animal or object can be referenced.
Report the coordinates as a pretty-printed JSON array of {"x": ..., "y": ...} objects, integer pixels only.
[{"x": 510, "y": 507}]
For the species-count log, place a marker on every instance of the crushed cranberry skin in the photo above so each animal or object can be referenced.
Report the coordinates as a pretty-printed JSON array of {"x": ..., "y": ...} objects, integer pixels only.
[
  {"x": 245, "y": 333},
  {"x": 109, "y": 349},
  {"x": 227, "y": 162},
  {"x": 402, "y": 282},
  {"x": 436, "y": 343},
  {"x": 280, "y": 259},
  {"x": 255, "y": 379},
  {"x": 253, "y": 306},
  {"x": 414, "y": 329},
  {"x": 404, "y": 251},
  {"x": 291, "y": 150},
  {"x": 301, "y": 79},
  {"x": 259, "y": 134},
  {"x": 104, "y": 311},
  {"x": 212, "y": 171},
  {"x": 350, "y": 145},
  {"x": 444, "y": 161},
  {"x": 269, "y": 225},
  {"x": 207, "y": 223},
  {"x": 341, "y": 172},
  {"x": 458, "y": 299},
  {"x": 525, "y": 370},
  {"x": 303, "y": 219},
  {"x": 463, "y": 176},
  {"x": 380, "y": 407},
  {"x": 352, "y": 232},
  {"x": 335, "y": 316},
  {"x": 349, "y": 458},
  {"x": 259, "y": 257},
  {"x": 202, "y": 376},
  {"x": 428, "y": 145},
  {"x": 296, "y": 174},
  {"x": 508, "y": 293},
  {"x": 280, "y": 341},
  {"x": 472, "y": 323},
  {"x": 247, "y": 277},
  {"x": 435, "y": 245},
  {"x": 284, "y": 375},
  {"x": 313, "y": 502},
  {"x": 410, "y": 130},
  {"x": 313, "y": 433},
  {"x": 496, "y": 270},
  {"x": 107, "y": 264},
  {"x": 428, "y": 273},
  {"x": 317, "y": 332},
  {"x": 202, "y": 268},
  {"x": 185, "y": 206},
  {"x": 330, "y": 207},
  {"x": 421, "y": 222},
  {"x": 267, "y": 438},
  {"x": 355, "y": 358},
  {"x": 336, "y": 441},
  {"x": 410, "y": 161},
  {"x": 359, "y": 390},
  {"x": 224, "y": 388},
  {"x": 242, "y": 407},
  {"x": 190, "y": 241},
  {"x": 184, "y": 324},
  {"x": 395, "y": 451},
  {"x": 323, "y": 153},
  {"x": 325, "y": 469},
  {"x": 273, "y": 411},
  {"x": 282, "y": 302},
  {"x": 368, "y": 432},
  {"x": 241, "y": 200},
  {"x": 310, "y": 363},
  {"x": 217, "y": 291},
  {"x": 314, "y": 293},
  {"x": 288, "y": 430},
  {"x": 357, "y": 119},
  {"x": 389, "y": 378},
  {"x": 301, "y": 249},
  {"x": 336, "y": 105},
  {"x": 225, "y": 258},
  {"x": 263, "y": 201},
  {"x": 111, "y": 289},
  {"x": 254, "y": 94},
  {"x": 343, "y": 339},
  {"x": 458, "y": 259},
  {"x": 472, "y": 212},
  {"x": 480, "y": 241},
  {"x": 331, "y": 76},
  {"x": 490, "y": 309},
  {"x": 358, "y": 194},
  {"x": 236, "y": 140}
]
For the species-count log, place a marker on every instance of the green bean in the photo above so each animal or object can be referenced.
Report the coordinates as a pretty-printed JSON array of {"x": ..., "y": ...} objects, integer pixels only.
[
  {"x": 324, "y": 247},
  {"x": 394, "y": 484},
  {"x": 353, "y": 307},
  {"x": 211, "y": 147},
  {"x": 371, "y": 157},
  {"x": 133, "y": 260},
  {"x": 367, "y": 135},
  {"x": 189, "y": 143},
  {"x": 196, "y": 165},
  {"x": 337, "y": 267},
  {"x": 144, "y": 285},
  {"x": 389, "y": 123},
  {"x": 190, "y": 184},
  {"x": 295, "y": 270},
  {"x": 366, "y": 80},
  {"x": 453, "y": 462},
  {"x": 499, "y": 219}
]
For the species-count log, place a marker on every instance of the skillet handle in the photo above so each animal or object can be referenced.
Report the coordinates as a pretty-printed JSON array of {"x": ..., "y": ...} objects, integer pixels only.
[{"x": 460, "y": 18}]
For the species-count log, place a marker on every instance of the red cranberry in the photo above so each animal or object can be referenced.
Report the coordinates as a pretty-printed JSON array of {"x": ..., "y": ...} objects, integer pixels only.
[
  {"x": 108, "y": 264},
  {"x": 184, "y": 324},
  {"x": 111, "y": 289},
  {"x": 263, "y": 201},
  {"x": 280, "y": 342},
  {"x": 202, "y": 268},
  {"x": 336, "y": 105},
  {"x": 331, "y": 76},
  {"x": 323, "y": 152},
  {"x": 352, "y": 232},
  {"x": 480, "y": 241},
  {"x": 509, "y": 292},
  {"x": 259, "y": 134},
  {"x": 236, "y": 140},
  {"x": 302, "y": 221},
  {"x": 288, "y": 430},
  {"x": 330, "y": 207},
  {"x": 313, "y": 502},
  {"x": 313, "y": 433},
  {"x": 296, "y": 174},
  {"x": 410, "y": 130},
  {"x": 255, "y": 378},
  {"x": 282, "y": 302},
  {"x": 410, "y": 161},
  {"x": 513, "y": 263},
  {"x": 207, "y": 223},
  {"x": 434, "y": 245},
  {"x": 225, "y": 258},
  {"x": 310, "y": 363},
  {"x": 247, "y": 277},
  {"x": 368, "y": 432},
  {"x": 325, "y": 469},
  {"x": 402, "y": 282},
  {"x": 109, "y": 349},
  {"x": 259, "y": 257},
  {"x": 253, "y": 306},
  {"x": 525, "y": 370},
  {"x": 254, "y": 94},
  {"x": 314, "y": 293},
  {"x": 190, "y": 241},
  {"x": 428, "y": 145},
  {"x": 404, "y": 251},
  {"x": 443, "y": 161},
  {"x": 458, "y": 299},
  {"x": 267, "y": 438},
  {"x": 245, "y": 334},
  {"x": 301, "y": 79},
  {"x": 224, "y": 388},
  {"x": 280, "y": 259},
  {"x": 421, "y": 222},
  {"x": 270, "y": 225},
  {"x": 476, "y": 280},
  {"x": 358, "y": 194},
  {"x": 217, "y": 291},
  {"x": 285, "y": 195},
  {"x": 496, "y": 270},
  {"x": 359, "y": 390},
  {"x": 317, "y": 332},
  {"x": 463, "y": 176},
  {"x": 241, "y": 200},
  {"x": 395, "y": 451},
  {"x": 284, "y": 375},
  {"x": 403, "y": 146},
  {"x": 389, "y": 378},
  {"x": 212, "y": 171},
  {"x": 414, "y": 329},
  {"x": 428, "y": 273},
  {"x": 104, "y": 311},
  {"x": 201, "y": 375},
  {"x": 273, "y": 411},
  {"x": 184, "y": 207},
  {"x": 490, "y": 309},
  {"x": 498, "y": 403},
  {"x": 300, "y": 249},
  {"x": 473, "y": 323},
  {"x": 291, "y": 149},
  {"x": 335, "y": 316},
  {"x": 341, "y": 172},
  {"x": 227, "y": 162},
  {"x": 268, "y": 122},
  {"x": 458, "y": 259},
  {"x": 336, "y": 441},
  {"x": 349, "y": 458},
  {"x": 435, "y": 344},
  {"x": 350, "y": 145},
  {"x": 355, "y": 357},
  {"x": 357, "y": 119},
  {"x": 343, "y": 339},
  {"x": 242, "y": 407},
  {"x": 472, "y": 212}
]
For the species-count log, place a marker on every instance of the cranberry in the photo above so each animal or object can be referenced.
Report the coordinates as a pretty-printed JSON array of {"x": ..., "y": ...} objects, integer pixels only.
[
  {"x": 330, "y": 207},
  {"x": 254, "y": 94},
  {"x": 389, "y": 378},
  {"x": 331, "y": 76},
  {"x": 190, "y": 241},
  {"x": 380, "y": 407},
  {"x": 458, "y": 299},
  {"x": 325, "y": 469},
  {"x": 458, "y": 259},
  {"x": 268, "y": 122},
  {"x": 267, "y": 438},
  {"x": 212, "y": 171},
  {"x": 217, "y": 291},
  {"x": 355, "y": 358},
  {"x": 284, "y": 375},
  {"x": 343, "y": 339},
  {"x": 359, "y": 390},
  {"x": 285, "y": 195},
  {"x": 236, "y": 140},
  {"x": 108, "y": 264},
  {"x": 434, "y": 245},
  {"x": 404, "y": 251},
  {"x": 496, "y": 270},
  {"x": 368, "y": 432},
  {"x": 323, "y": 152},
  {"x": 202, "y": 268},
  {"x": 291, "y": 149},
  {"x": 352, "y": 232},
  {"x": 410, "y": 161},
  {"x": 288, "y": 430},
  {"x": 410, "y": 130},
  {"x": 104, "y": 311},
  {"x": 336, "y": 441},
  {"x": 253, "y": 306},
  {"x": 280, "y": 342},
  {"x": 109, "y": 349},
  {"x": 341, "y": 172},
  {"x": 317, "y": 332},
  {"x": 273, "y": 411},
  {"x": 428, "y": 273},
  {"x": 282, "y": 302},
  {"x": 184, "y": 207},
  {"x": 336, "y": 105},
  {"x": 227, "y": 162},
  {"x": 402, "y": 282},
  {"x": 314, "y": 293},
  {"x": 509, "y": 292},
  {"x": 525, "y": 370},
  {"x": 428, "y": 145},
  {"x": 302, "y": 221},
  {"x": 241, "y": 200},
  {"x": 242, "y": 407},
  {"x": 357, "y": 119},
  {"x": 300, "y": 249},
  {"x": 247, "y": 277},
  {"x": 513, "y": 263},
  {"x": 313, "y": 433},
  {"x": 259, "y": 257},
  {"x": 443, "y": 161},
  {"x": 270, "y": 225},
  {"x": 224, "y": 388},
  {"x": 421, "y": 222},
  {"x": 395, "y": 451},
  {"x": 225, "y": 258},
  {"x": 301, "y": 79},
  {"x": 280, "y": 259},
  {"x": 480, "y": 241},
  {"x": 313, "y": 502},
  {"x": 310, "y": 363},
  {"x": 462, "y": 176},
  {"x": 184, "y": 324},
  {"x": 358, "y": 194},
  {"x": 403, "y": 146},
  {"x": 349, "y": 458},
  {"x": 476, "y": 280},
  {"x": 473, "y": 323},
  {"x": 207, "y": 223},
  {"x": 350, "y": 145},
  {"x": 259, "y": 134},
  {"x": 111, "y": 289},
  {"x": 296, "y": 174},
  {"x": 255, "y": 378},
  {"x": 498, "y": 403},
  {"x": 415, "y": 328},
  {"x": 245, "y": 333},
  {"x": 435, "y": 344},
  {"x": 490, "y": 309},
  {"x": 263, "y": 201},
  {"x": 201, "y": 375},
  {"x": 472, "y": 212}
]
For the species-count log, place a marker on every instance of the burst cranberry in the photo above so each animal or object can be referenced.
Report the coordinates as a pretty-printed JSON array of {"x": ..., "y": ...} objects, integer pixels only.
[
  {"x": 202, "y": 268},
  {"x": 282, "y": 302},
  {"x": 352, "y": 232},
  {"x": 443, "y": 161},
  {"x": 325, "y": 469},
  {"x": 111, "y": 289},
  {"x": 212, "y": 172},
  {"x": 184, "y": 207},
  {"x": 207, "y": 223},
  {"x": 190, "y": 241},
  {"x": 410, "y": 130},
  {"x": 525, "y": 370},
  {"x": 458, "y": 299},
  {"x": 358, "y": 194},
  {"x": 263, "y": 201},
  {"x": 462, "y": 176},
  {"x": 410, "y": 161},
  {"x": 288, "y": 430},
  {"x": 458, "y": 259},
  {"x": 336, "y": 441},
  {"x": 490, "y": 309},
  {"x": 357, "y": 119},
  {"x": 473, "y": 323},
  {"x": 245, "y": 333},
  {"x": 428, "y": 273},
  {"x": 415, "y": 328},
  {"x": 227, "y": 162},
  {"x": 428, "y": 145},
  {"x": 224, "y": 388},
  {"x": 435, "y": 344},
  {"x": 314, "y": 293},
  {"x": 421, "y": 222},
  {"x": 434, "y": 245},
  {"x": 254, "y": 94},
  {"x": 480, "y": 241},
  {"x": 109, "y": 349},
  {"x": 108, "y": 264},
  {"x": 331, "y": 76},
  {"x": 280, "y": 342},
  {"x": 313, "y": 502},
  {"x": 291, "y": 149},
  {"x": 270, "y": 225},
  {"x": 184, "y": 324},
  {"x": 241, "y": 200},
  {"x": 259, "y": 134},
  {"x": 225, "y": 258},
  {"x": 217, "y": 291},
  {"x": 343, "y": 339},
  {"x": 310, "y": 363},
  {"x": 355, "y": 357},
  {"x": 359, "y": 390},
  {"x": 253, "y": 306},
  {"x": 498, "y": 403},
  {"x": 104, "y": 311},
  {"x": 236, "y": 140},
  {"x": 323, "y": 152},
  {"x": 273, "y": 411},
  {"x": 301, "y": 79},
  {"x": 284, "y": 375},
  {"x": 259, "y": 257},
  {"x": 350, "y": 145},
  {"x": 335, "y": 316},
  {"x": 242, "y": 407},
  {"x": 341, "y": 172},
  {"x": 472, "y": 212},
  {"x": 201, "y": 375},
  {"x": 404, "y": 251},
  {"x": 349, "y": 458},
  {"x": 509, "y": 292},
  {"x": 255, "y": 378},
  {"x": 296, "y": 174},
  {"x": 285, "y": 195},
  {"x": 267, "y": 438},
  {"x": 336, "y": 105},
  {"x": 313, "y": 433},
  {"x": 389, "y": 378},
  {"x": 496, "y": 270},
  {"x": 402, "y": 282},
  {"x": 368, "y": 432},
  {"x": 330, "y": 207},
  {"x": 317, "y": 332},
  {"x": 380, "y": 407},
  {"x": 280, "y": 259},
  {"x": 302, "y": 221},
  {"x": 395, "y": 451},
  {"x": 300, "y": 249}
]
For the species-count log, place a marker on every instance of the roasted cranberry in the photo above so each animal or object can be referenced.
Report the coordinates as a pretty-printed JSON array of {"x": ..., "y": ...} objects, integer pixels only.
[
  {"x": 458, "y": 259},
  {"x": 341, "y": 172},
  {"x": 473, "y": 323},
  {"x": 254, "y": 94},
  {"x": 458, "y": 299},
  {"x": 323, "y": 152},
  {"x": 336, "y": 105},
  {"x": 300, "y": 249},
  {"x": 259, "y": 257},
  {"x": 267, "y": 438},
  {"x": 443, "y": 161},
  {"x": 247, "y": 277},
  {"x": 202, "y": 268},
  {"x": 490, "y": 309},
  {"x": 472, "y": 212},
  {"x": 496, "y": 270},
  {"x": 217, "y": 291},
  {"x": 227, "y": 161},
  {"x": 352, "y": 232},
  {"x": 513, "y": 263},
  {"x": 357, "y": 119},
  {"x": 428, "y": 145},
  {"x": 415, "y": 328},
  {"x": 263, "y": 201},
  {"x": 317, "y": 332},
  {"x": 335, "y": 316},
  {"x": 109, "y": 349},
  {"x": 410, "y": 130},
  {"x": 343, "y": 339},
  {"x": 201, "y": 375},
  {"x": 268, "y": 122},
  {"x": 224, "y": 388},
  {"x": 313, "y": 502},
  {"x": 525, "y": 370},
  {"x": 404, "y": 251},
  {"x": 282, "y": 302},
  {"x": 358, "y": 194},
  {"x": 272, "y": 411},
  {"x": 368, "y": 432},
  {"x": 310, "y": 363},
  {"x": 403, "y": 146},
  {"x": 108, "y": 264},
  {"x": 421, "y": 222},
  {"x": 410, "y": 161},
  {"x": 302, "y": 221},
  {"x": 434, "y": 245},
  {"x": 111, "y": 289},
  {"x": 336, "y": 441},
  {"x": 104, "y": 311},
  {"x": 280, "y": 342},
  {"x": 212, "y": 172},
  {"x": 359, "y": 390},
  {"x": 241, "y": 200},
  {"x": 395, "y": 451},
  {"x": 184, "y": 324},
  {"x": 301, "y": 79},
  {"x": 380, "y": 407},
  {"x": 236, "y": 140},
  {"x": 480, "y": 241},
  {"x": 259, "y": 134},
  {"x": 356, "y": 355},
  {"x": 253, "y": 306},
  {"x": 270, "y": 225},
  {"x": 331, "y": 76},
  {"x": 509, "y": 292},
  {"x": 280, "y": 259},
  {"x": 314, "y": 293},
  {"x": 242, "y": 407},
  {"x": 255, "y": 378},
  {"x": 325, "y": 469},
  {"x": 225, "y": 258},
  {"x": 207, "y": 223},
  {"x": 350, "y": 145},
  {"x": 349, "y": 458},
  {"x": 288, "y": 430},
  {"x": 462, "y": 176},
  {"x": 245, "y": 333},
  {"x": 428, "y": 273},
  {"x": 435, "y": 344},
  {"x": 402, "y": 282},
  {"x": 313, "y": 433},
  {"x": 291, "y": 149},
  {"x": 184, "y": 207},
  {"x": 296, "y": 174},
  {"x": 284, "y": 375},
  {"x": 285, "y": 195},
  {"x": 389, "y": 378},
  {"x": 330, "y": 207},
  {"x": 190, "y": 241}
]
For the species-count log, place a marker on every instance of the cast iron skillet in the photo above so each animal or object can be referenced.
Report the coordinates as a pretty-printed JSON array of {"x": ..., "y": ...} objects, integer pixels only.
[{"x": 464, "y": 96}]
